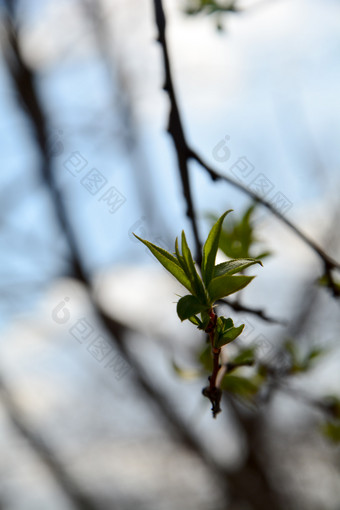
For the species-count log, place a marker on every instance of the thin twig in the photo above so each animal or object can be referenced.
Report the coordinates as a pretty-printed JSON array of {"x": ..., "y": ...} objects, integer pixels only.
[
  {"x": 175, "y": 128},
  {"x": 326, "y": 259},
  {"x": 238, "y": 307}
]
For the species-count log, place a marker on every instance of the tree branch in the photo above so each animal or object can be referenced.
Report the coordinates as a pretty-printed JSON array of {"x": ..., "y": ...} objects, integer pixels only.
[
  {"x": 175, "y": 128},
  {"x": 215, "y": 176},
  {"x": 238, "y": 307}
]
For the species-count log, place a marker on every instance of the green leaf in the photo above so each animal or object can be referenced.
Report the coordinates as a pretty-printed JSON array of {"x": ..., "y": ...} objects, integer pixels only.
[
  {"x": 189, "y": 306},
  {"x": 240, "y": 386},
  {"x": 210, "y": 249},
  {"x": 224, "y": 324},
  {"x": 205, "y": 319},
  {"x": 191, "y": 271},
  {"x": 332, "y": 431},
  {"x": 180, "y": 257},
  {"x": 195, "y": 320},
  {"x": 228, "y": 336},
  {"x": 168, "y": 261},
  {"x": 245, "y": 357},
  {"x": 226, "y": 285},
  {"x": 316, "y": 352},
  {"x": 234, "y": 266}
]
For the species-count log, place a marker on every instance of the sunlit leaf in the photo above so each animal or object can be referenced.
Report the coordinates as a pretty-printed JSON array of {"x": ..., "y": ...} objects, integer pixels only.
[
  {"x": 195, "y": 320},
  {"x": 180, "y": 257},
  {"x": 234, "y": 266},
  {"x": 168, "y": 261},
  {"x": 225, "y": 285},
  {"x": 210, "y": 249},
  {"x": 191, "y": 271}
]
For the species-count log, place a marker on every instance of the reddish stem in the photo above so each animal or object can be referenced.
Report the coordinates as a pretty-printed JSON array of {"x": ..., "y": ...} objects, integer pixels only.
[{"x": 212, "y": 392}]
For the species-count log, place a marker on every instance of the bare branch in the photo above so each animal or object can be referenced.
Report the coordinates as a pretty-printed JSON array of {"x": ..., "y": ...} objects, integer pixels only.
[{"x": 175, "y": 128}]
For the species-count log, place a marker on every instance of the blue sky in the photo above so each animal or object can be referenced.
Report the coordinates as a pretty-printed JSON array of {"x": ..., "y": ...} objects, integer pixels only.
[{"x": 270, "y": 82}]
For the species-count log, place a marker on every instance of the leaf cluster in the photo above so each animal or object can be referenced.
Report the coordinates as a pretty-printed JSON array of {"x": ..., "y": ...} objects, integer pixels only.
[
  {"x": 238, "y": 237},
  {"x": 214, "y": 283}
]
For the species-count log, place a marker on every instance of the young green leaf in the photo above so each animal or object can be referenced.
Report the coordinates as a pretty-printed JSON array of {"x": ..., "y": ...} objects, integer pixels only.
[
  {"x": 228, "y": 336},
  {"x": 240, "y": 386},
  {"x": 224, "y": 324},
  {"x": 226, "y": 285},
  {"x": 195, "y": 320},
  {"x": 191, "y": 272},
  {"x": 189, "y": 306},
  {"x": 210, "y": 249},
  {"x": 234, "y": 266},
  {"x": 244, "y": 357},
  {"x": 180, "y": 257},
  {"x": 168, "y": 261}
]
